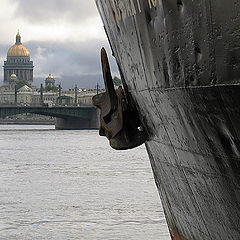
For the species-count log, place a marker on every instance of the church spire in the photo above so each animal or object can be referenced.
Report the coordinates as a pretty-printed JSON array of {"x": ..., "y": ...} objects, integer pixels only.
[{"x": 18, "y": 38}]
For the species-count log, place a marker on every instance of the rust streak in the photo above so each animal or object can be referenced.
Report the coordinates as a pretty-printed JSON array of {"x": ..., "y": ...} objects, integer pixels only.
[{"x": 176, "y": 236}]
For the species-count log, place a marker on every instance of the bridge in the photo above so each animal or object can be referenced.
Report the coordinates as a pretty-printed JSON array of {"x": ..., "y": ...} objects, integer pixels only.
[{"x": 69, "y": 117}]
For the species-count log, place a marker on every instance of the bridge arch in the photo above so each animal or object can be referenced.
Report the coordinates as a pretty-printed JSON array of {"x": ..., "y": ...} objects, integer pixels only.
[{"x": 85, "y": 117}]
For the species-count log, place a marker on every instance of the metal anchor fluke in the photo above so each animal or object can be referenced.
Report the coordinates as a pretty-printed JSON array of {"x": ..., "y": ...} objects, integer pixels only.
[{"x": 117, "y": 122}]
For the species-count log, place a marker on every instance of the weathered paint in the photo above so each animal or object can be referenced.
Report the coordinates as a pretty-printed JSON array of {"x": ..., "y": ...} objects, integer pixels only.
[{"x": 180, "y": 63}]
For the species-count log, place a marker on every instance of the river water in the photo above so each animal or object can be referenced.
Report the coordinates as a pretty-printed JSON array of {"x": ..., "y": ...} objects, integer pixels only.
[{"x": 71, "y": 185}]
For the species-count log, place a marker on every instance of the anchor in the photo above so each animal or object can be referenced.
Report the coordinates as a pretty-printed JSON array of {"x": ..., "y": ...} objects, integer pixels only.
[{"x": 118, "y": 122}]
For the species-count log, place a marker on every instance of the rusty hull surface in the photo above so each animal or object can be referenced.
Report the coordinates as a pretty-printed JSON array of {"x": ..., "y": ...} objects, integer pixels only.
[{"x": 180, "y": 63}]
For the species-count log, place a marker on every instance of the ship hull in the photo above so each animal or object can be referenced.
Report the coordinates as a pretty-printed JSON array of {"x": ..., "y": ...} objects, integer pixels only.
[
  {"x": 180, "y": 65},
  {"x": 195, "y": 159}
]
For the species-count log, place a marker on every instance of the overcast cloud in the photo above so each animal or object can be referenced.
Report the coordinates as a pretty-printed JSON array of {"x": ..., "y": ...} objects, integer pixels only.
[
  {"x": 74, "y": 11},
  {"x": 63, "y": 37}
]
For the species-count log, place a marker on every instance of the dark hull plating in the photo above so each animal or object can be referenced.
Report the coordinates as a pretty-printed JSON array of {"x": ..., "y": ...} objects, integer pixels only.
[{"x": 180, "y": 62}]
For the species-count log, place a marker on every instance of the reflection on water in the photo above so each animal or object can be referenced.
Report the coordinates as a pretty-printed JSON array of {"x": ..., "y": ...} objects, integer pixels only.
[{"x": 71, "y": 185}]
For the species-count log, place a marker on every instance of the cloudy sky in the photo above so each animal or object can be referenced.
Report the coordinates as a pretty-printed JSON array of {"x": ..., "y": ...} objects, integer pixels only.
[{"x": 64, "y": 38}]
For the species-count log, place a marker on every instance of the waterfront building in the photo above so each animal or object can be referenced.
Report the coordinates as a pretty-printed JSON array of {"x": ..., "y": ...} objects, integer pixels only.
[
  {"x": 50, "y": 81},
  {"x": 85, "y": 97},
  {"x": 26, "y": 96},
  {"x": 18, "y": 62}
]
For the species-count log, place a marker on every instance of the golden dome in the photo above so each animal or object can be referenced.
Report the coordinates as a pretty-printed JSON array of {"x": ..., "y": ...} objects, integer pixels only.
[
  {"x": 18, "y": 50},
  {"x": 13, "y": 75},
  {"x": 50, "y": 75}
]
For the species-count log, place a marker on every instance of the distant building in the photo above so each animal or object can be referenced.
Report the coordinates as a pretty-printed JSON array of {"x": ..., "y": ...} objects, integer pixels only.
[
  {"x": 18, "y": 63},
  {"x": 65, "y": 100},
  {"x": 18, "y": 66},
  {"x": 84, "y": 96},
  {"x": 26, "y": 95},
  {"x": 12, "y": 80},
  {"x": 50, "y": 81}
]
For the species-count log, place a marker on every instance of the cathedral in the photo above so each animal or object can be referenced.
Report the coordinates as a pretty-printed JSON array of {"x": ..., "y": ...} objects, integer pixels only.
[{"x": 18, "y": 65}]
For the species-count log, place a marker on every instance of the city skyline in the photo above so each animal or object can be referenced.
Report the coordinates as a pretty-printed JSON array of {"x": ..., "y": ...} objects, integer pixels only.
[{"x": 64, "y": 38}]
